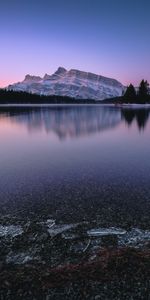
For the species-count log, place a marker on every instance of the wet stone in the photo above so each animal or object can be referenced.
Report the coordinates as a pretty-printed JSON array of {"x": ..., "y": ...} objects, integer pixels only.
[
  {"x": 135, "y": 238},
  {"x": 106, "y": 231},
  {"x": 54, "y": 230},
  {"x": 79, "y": 247},
  {"x": 109, "y": 241},
  {"x": 21, "y": 258},
  {"x": 10, "y": 230}
]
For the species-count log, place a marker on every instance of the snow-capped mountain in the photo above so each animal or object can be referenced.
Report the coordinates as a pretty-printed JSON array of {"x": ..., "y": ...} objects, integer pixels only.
[{"x": 72, "y": 83}]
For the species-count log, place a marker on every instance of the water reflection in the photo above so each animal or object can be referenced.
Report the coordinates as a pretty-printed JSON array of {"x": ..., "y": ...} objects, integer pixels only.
[
  {"x": 73, "y": 121},
  {"x": 104, "y": 176},
  {"x": 140, "y": 115},
  {"x": 64, "y": 121}
]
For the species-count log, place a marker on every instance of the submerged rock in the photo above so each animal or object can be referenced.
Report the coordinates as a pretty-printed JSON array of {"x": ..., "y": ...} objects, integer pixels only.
[
  {"x": 135, "y": 238},
  {"x": 19, "y": 258},
  {"x": 70, "y": 236},
  {"x": 109, "y": 240},
  {"x": 105, "y": 231},
  {"x": 10, "y": 230},
  {"x": 80, "y": 246},
  {"x": 54, "y": 230}
]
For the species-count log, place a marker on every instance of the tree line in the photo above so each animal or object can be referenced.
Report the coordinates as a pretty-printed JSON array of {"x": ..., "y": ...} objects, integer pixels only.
[
  {"x": 20, "y": 97},
  {"x": 140, "y": 95}
]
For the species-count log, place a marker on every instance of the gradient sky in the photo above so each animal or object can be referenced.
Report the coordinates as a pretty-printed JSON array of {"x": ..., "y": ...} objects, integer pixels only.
[{"x": 107, "y": 37}]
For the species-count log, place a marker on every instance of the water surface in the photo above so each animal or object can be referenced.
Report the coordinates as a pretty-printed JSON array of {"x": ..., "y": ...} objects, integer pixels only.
[{"x": 85, "y": 162}]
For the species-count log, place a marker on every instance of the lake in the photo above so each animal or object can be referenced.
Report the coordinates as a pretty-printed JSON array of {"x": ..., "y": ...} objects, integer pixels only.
[
  {"x": 76, "y": 163},
  {"x": 74, "y": 202}
]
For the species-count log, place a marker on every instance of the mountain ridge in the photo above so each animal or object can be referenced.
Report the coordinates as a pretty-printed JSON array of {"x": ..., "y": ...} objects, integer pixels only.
[{"x": 71, "y": 83}]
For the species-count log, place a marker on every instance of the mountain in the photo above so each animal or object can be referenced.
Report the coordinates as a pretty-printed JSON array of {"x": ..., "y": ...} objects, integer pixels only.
[{"x": 72, "y": 83}]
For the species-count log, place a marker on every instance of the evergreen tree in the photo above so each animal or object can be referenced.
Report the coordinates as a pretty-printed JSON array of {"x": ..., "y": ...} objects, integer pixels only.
[
  {"x": 130, "y": 94},
  {"x": 143, "y": 91}
]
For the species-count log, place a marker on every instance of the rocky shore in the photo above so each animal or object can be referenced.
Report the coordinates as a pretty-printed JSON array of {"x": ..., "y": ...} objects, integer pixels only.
[{"x": 50, "y": 260}]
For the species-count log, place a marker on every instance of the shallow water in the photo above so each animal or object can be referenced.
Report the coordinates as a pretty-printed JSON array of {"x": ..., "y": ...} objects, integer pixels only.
[{"x": 76, "y": 163}]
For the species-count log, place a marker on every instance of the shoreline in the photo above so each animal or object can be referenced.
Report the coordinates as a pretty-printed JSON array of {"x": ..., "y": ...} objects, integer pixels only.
[{"x": 130, "y": 105}]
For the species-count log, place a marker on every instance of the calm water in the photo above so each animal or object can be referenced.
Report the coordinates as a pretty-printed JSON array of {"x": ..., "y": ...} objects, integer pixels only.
[{"x": 76, "y": 163}]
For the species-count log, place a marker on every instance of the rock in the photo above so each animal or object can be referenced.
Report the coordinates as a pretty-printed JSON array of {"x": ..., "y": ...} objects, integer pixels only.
[
  {"x": 58, "y": 229},
  {"x": 97, "y": 297},
  {"x": 109, "y": 240},
  {"x": 105, "y": 231},
  {"x": 10, "y": 230}
]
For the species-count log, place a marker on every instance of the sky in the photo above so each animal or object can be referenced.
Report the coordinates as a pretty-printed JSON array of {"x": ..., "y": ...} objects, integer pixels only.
[{"x": 106, "y": 37}]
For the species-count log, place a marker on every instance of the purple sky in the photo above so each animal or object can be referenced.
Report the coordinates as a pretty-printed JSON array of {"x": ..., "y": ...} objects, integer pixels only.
[{"x": 106, "y": 37}]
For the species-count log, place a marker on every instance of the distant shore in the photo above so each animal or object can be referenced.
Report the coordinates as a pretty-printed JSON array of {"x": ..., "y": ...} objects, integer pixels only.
[{"x": 19, "y": 98}]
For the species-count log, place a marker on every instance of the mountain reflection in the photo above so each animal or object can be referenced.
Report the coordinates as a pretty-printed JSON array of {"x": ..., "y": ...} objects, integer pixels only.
[
  {"x": 140, "y": 115},
  {"x": 73, "y": 121},
  {"x": 64, "y": 121}
]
